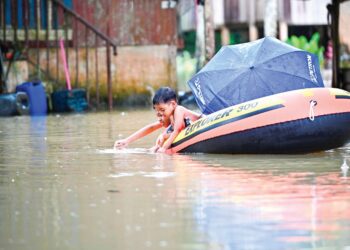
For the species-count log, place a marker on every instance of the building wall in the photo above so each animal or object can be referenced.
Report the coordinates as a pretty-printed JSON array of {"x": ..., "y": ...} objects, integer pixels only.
[
  {"x": 131, "y": 22},
  {"x": 135, "y": 70},
  {"x": 344, "y": 20},
  {"x": 234, "y": 12},
  {"x": 145, "y": 32},
  {"x": 18, "y": 74},
  {"x": 146, "y": 36},
  {"x": 312, "y": 12}
]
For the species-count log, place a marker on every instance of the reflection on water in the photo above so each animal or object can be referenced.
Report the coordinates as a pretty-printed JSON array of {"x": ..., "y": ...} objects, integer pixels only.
[
  {"x": 62, "y": 186},
  {"x": 270, "y": 208}
]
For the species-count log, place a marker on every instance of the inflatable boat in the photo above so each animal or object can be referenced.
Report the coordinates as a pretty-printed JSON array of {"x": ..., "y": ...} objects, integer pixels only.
[{"x": 298, "y": 121}]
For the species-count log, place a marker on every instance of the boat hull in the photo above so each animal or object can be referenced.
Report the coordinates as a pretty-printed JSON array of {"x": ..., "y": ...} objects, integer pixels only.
[{"x": 300, "y": 121}]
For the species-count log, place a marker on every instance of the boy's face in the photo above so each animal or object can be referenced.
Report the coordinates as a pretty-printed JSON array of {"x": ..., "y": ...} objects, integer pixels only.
[{"x": 164, "y": 111}]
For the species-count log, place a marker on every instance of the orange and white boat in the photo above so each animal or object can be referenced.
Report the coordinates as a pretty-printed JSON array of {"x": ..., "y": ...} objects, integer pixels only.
[{"x": 299, "y": 121}]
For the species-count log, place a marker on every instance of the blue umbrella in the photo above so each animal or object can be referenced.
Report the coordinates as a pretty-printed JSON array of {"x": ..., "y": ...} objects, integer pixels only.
[{"x": 243, "y": 72}]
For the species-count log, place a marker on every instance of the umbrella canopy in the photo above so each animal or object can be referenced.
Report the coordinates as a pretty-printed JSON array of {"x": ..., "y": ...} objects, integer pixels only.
[{"x": 243, "y": 72}]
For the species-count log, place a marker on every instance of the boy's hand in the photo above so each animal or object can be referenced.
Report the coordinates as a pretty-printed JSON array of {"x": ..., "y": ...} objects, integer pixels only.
[
  {"x": 154, "y": 149},
  {"x": 160, "y": 140},
  {"x": 161, "y": 150},
  {"x": 120, "y": 144}
]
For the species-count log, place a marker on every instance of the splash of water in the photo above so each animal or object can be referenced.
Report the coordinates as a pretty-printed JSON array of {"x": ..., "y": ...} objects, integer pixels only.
[
  {"x": 124, "y": 151},
  {"x": 344, "y": 168}
]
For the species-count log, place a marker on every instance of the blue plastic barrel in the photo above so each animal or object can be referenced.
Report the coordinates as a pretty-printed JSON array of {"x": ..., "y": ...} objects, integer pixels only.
[{"x": 37, "y": 97}]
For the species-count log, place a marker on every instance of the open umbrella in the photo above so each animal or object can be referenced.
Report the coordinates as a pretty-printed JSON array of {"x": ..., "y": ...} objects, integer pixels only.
[{"x": 243, "y": 72}]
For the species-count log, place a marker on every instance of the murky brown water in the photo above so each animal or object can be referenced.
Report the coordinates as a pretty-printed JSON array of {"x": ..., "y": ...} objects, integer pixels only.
[{"x": 63, "y": 187}]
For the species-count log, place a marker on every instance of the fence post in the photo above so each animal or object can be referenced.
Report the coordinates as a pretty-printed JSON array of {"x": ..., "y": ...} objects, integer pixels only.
[{"x": 109, "y": 80}]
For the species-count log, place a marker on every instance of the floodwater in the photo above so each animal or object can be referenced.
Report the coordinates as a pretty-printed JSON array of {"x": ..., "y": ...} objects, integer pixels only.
[{"x": 62, "y": 186}]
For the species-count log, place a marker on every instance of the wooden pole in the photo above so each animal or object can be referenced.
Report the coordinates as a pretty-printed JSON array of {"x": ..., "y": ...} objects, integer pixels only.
[{"x": 335, "y": 39}]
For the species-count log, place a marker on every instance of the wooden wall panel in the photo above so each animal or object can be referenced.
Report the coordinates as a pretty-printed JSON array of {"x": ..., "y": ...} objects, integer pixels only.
[{"x": 131, "y": 22}]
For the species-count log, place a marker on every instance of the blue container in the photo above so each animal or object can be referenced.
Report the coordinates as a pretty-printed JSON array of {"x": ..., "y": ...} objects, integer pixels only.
[
  {"x": 59, "y": 101},
  {"x": 37, "y": 97},
  {"x": 76, "y": 100},
  {"x": 65, "y": 100}
]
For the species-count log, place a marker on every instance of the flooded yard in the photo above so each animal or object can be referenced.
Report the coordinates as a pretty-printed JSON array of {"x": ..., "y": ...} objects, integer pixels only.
[{"x": 62, "y": 186}]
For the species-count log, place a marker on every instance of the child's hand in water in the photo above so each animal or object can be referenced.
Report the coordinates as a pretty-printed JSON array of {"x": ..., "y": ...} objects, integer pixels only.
[
  {"x": 120, "y": 144},
  {"x": 161, "y": 150},
  {"x": 154, "y": 149}
]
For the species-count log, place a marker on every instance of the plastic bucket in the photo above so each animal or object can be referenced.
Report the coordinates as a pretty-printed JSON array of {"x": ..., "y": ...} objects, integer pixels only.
[
  {"x": 65, "y": 100},
  {"x": 37, "y": 97}
]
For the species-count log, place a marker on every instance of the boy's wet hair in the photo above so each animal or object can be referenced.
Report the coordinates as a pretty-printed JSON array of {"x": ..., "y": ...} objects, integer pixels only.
[{"x": 163, "y": 95}]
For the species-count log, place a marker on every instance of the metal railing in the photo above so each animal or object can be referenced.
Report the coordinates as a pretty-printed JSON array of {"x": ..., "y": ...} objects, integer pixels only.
[{"x": 40, "y": 24}]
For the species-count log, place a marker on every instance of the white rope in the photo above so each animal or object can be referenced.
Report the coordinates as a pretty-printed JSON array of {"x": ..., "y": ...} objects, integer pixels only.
[{"x": 311, "y": 111}]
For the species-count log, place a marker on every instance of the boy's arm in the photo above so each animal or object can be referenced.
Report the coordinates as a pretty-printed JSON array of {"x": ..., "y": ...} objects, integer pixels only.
[
  {"x": 178, "y": 126},
  {"x": 159, "y": 143},
  {"x": 168, "y": 142},
  {"x": 194, "y": 116},
  {"x": 138, "y": 134}
]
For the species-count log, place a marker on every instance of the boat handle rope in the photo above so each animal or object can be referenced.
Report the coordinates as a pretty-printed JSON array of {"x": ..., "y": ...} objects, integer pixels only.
[{"x": 311, "y": 111}]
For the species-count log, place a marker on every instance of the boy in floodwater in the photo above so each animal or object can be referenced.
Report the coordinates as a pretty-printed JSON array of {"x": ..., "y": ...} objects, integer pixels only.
[{"x": 171, "y": 116}]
